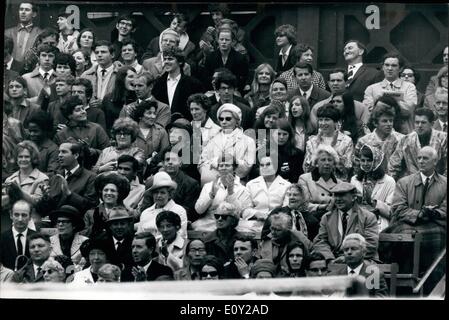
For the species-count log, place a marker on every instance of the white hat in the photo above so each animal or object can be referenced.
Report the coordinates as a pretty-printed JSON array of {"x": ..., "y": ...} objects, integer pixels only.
[
  {"x": 236, "y": 112},
  {"x": 162, "y": 179}
]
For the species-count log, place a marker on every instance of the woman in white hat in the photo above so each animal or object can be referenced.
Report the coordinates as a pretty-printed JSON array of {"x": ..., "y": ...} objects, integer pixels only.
[
  {"x": 162, "y": 191},
  {"x": 230, "y": 139}
]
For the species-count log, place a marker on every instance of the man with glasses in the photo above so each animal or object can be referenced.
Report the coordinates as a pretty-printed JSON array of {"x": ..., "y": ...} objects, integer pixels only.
[
  {"x": 403, "y": 91},
  {"x": 126, "y": 26}
]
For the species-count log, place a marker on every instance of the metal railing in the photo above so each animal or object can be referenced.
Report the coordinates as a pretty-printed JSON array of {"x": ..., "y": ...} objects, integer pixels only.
[{"x": 429, "y": 271}]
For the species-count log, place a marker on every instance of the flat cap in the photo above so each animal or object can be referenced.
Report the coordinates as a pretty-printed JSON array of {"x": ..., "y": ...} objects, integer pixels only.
[{"x": 343, "y": 187}]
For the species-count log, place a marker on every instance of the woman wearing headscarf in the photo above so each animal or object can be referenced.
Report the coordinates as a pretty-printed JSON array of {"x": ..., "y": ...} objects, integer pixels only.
[
  {"x": 230, "y": 139},
  {"x": 376, "y": 187}
]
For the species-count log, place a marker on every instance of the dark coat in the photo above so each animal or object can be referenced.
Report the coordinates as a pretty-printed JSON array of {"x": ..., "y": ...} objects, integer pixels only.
[
  {"x": 316, "y": 95},
  {"x": 154, "y": 271},
  {"x": 223, "y": 251},
  {"x": 17, "y": 66},
  {"x": 291, "y": 61},
  {"x": 26, "y": 275},
  {"x": 8, "y": 251},
  {"x": 186, "y": 87},
  {"x": 363, "y": 78},
  {"x": 122, "y": 257},
  {"x": 48, "y": 157}
]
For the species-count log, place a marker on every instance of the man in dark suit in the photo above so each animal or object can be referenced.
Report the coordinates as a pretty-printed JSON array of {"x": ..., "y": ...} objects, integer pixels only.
[
  {"x": 359, "y": 75},
  {"x": 225, "y": 56},
  {"x": 40, "y": 249},
  {"x": 11, "y": 63},
  {"x": 286, "y": 41},
  {"x": 245, "y": 250},
  {"x": 173, "y": 87},
  {"x": 354, "y": 248},
  {"x": 303, "y": 73},
  {"x": 25, "y": 33},
  {"x": 146, "y": 267},
  {"x": 14, "y": 242}
]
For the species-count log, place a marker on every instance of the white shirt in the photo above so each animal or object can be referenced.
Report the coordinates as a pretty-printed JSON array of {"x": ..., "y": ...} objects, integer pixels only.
[
  {"x": 22, "y": 239},
  {"x": 356, "y": 270},
  {"x": 424, "y": 177},
  {"x": 72, "y": 171},
  {"x": 355, "y": 68},
  {"x": 308, "y": 92},
  {"x": 145, "y": 267},
  {"x": 8, "y": 64},
  {"x": 116, "y": 242},
  {"x": 442, "y": 124},
  {"x": 102, "y": 83},
  {"x": 286, "y": 54},
  {"x": 171, "y": 87},
  {"x": 42, "y": 73}
]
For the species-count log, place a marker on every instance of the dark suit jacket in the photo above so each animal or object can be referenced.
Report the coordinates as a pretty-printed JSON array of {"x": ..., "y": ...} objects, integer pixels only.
[
  {"x": 291, "y": 61},
  {"x": 124, "y": 256},
  {"x": 380, "y": 292},
  {"x": 214, "y": 246},
  {"x": 316, "y": 95},
  {"x": 364, "y": 77},
  {"x": 154, "y": 271},
  {"x": 236, "y": 63},
  {"x": 186, "y": 87},
  {"x": 17, "y": 66},
  {"x": 12, "y": 33},
  {"x": 8, "y": 251},
  {"x": 26, "y": 275},
  {"x": 247, "y": 114}
]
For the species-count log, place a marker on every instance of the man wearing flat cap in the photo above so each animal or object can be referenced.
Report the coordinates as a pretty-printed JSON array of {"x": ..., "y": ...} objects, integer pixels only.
[{"x": 346, "y": 217}]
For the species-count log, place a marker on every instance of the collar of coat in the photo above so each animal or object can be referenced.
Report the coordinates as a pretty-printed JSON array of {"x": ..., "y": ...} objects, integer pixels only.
[{"x": 316, "y": 176}]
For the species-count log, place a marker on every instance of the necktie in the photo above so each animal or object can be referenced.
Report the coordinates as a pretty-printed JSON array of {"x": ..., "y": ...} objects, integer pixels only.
[
  {"x": 304, "y": 94},
  {"x": 68, "y": 174},
  {"x": 119, "y": 246},
  {"x": 344, "y": 222},
  {"x": 300, "y": 222},
  {"x": 391, "y": 86},
  {"x": 46, "y": 77},
  {"x": 426, "y": 186},
  {"x": 39, "y": 272},
  {"x": 445, "y": 126},
  {"x": 352, "y": 273},
  {"x": 284, "y": 58},
  {"x": 103, "y": 72},
  {"x": 350, "y": 72},
  {"x": 19, "y": 245}
]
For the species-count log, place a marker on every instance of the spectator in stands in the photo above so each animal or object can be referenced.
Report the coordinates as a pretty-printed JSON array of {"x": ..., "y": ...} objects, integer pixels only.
[
  {"x": 29, "y": 178},
  {"x": 317, "y": 183},
  {"x": 262, "y": 269},
  {"x": 49, "y": 36},
  {"x": 67, "y": 241},
  {"x": 82, "y": 61},
  {"x": 403, "y": 91},
  {"x": 184, "y": 85},
  {"x": 6, "y": 274},
  {"x": 345, "y": 218},
  {"x": 86, "y": 41},
  {"x": 278, "y": 91},
  {"x": 53, "y": 271},
  {"x": 126, "y": 26},
  {"x": 265, "y": 123},
  {"x": 68, "y": 36},
  {"x": 259, "y": 95},
  {"x": 31, "y": 272},
  {"x": 384, "y": 136},
  {"x": 199, "y": 106},
  {"x": 440, "y": 106},
  {"x": 25, "y": 33},
  {"x": 355, "y": 248},
  {"x": 296, "y": 261},
  {"x": 130, "y": 54},
  {"x": 16, "y": 104},
  {"x": 11, "y": 63},
  {"x": 245, "y": 250},
  {"x": 442, "y": 81},
  {"x": 112, "y": 189},
  {"x": 171, "y": 246},
  {"x": 434, "y": 82},
  {"x": 300, "y": 120},
  {"x": 162, "y": 190},
  {"x": 220, "y": 241},
  {"x": 360, "y": 76},
  {"x": 329, "y": 135},
  {"x": 286, "y": 41},
  {"x": 304, "y": 54},
  {"x": 403, "y": 161},
  {"x": 109, "y": 273},
  {"x": 63, "y": 88},
  {"x": 195, "y": 251},
  {"x": 128, "y": 166},
  {"x": 230, "y": 139},
  {"x": 211, "y": 268},
  {"x": 410, "y": 74},
  {"x": 15, "y": 241},
  {"x": 375, "y": 187},
  {"x": 125, "y": 133},
  {"x": 317, "y": 265}
]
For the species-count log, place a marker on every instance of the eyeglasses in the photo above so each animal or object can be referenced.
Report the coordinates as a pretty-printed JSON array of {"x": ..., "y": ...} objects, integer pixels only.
[
  {"x": 225, "y": 118},
  {"x": 122, "y": 133},
  {"x": 211, "y": 273},
  {"x": 198, "y": 250},
  {"x": 63, "y": 221},
  {"x": 126, "y": 24},
  {"x": 220, "y": 216},
  {"x": 407, "y": 75},
  {"x": 49, "y": 271}
]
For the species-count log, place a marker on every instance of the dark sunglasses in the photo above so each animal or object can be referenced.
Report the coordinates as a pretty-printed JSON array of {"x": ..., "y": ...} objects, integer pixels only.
[
  {"x": 211, "y": 273},
  {"x": 222, "y": 216},
  {"x": 225, "y": 118},
  {"x": 49, "y": 271}
]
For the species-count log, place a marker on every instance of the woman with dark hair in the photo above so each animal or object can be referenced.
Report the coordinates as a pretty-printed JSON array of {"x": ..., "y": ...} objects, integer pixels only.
[
  {"x": 82, "y": 61},
  {"x": 16, "y": 104},
  {"x": 40, "y": 131},
  {"x": 299, "y": 117},
  {"x": 122, "y": 95},
  {"x": 151, "y": 136},
  {"x": 211, "y": 268},
  {"x": 112, "y": 189},
  {"x": 278, "y": 96},
  {"x": 86, "y": 41},
  {"x": 410, "y": 74},
  {"x": 296, "y": 261},
  {"x": 194, "y": 253},
  {"x": 259, "y": 95},
  {"x": 264, "y": 123},
  {"x": 376, "y": 187},
  {"x": 124, "y": 131},
  {"x": 199, "y": 106},
  {"x": 290, "y": 159}
]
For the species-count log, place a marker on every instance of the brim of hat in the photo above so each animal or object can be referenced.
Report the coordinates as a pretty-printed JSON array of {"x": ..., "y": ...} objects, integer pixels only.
[
  {"x": 78, "y": 222},
  {"x": 158, "y": 186},
  {"x": 120, "y": 218}
]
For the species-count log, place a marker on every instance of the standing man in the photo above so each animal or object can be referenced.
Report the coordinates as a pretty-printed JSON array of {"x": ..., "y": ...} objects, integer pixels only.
[
  {"x": 360, "y": 76},
  {"x": 11, "y": 64},
  {"x": 24, "y": 35},
  {"x": 67, "y": 34},
  {"x": 403, "y": 91},
  {"x": 126, "y": 26},
  {"x": 286, "y": 42},
  {"x": 440, "y": 106}
]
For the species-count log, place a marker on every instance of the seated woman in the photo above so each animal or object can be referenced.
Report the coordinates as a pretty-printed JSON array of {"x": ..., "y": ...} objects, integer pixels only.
[
  {"x": 195, "y": 251},
  {"x": 211, "y": 268},
  {"x": 410, "y": 74},
  {"x": 278, "y": 91},
  {"x": 442, "y": 81},
  {"x": 264, "y": 123},
  {"x": 67, "y": 241},
  {"x": 296, "y": 261},
  {"x": 97, "y": 253},
  {"x": 298, "y": 115},
  {"x": 225, "y": 187},
  {"x": 16, "y": 103},
  {"x": 109, "y": 273},
  {"x": 230, "y": 139},
  {"x": 199, "y": 106},
  {"x": 329, "y": 135},
  {"x": 124, "y": 131},
  {"x": 267, "y": 192},
  {"x": 318, "y": 183},
  {"x": 171, "y": 247},
  {"x": 259, "y": 95},
  {"x": 53, "y": 271},
  {"x": 162, "y": 191},
  {"x": 376, "y": 187}
]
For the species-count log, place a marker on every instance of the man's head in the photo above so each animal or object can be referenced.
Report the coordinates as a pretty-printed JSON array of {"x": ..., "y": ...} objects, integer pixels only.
[
  {"x": 27, "y": 12},
  {"x": 317, "y": 265},
  {"x": 63, "y": 85},
  {"x": 142, "y": 248},
  {"x": 49, "y": 37},
  {"x": 20, "y": 215},
  {"x": 226, "y": 83},
  {"x": 383, "y": 115},
  {"x": 280, "y": 225},
  {"x": 104, "y": 51},
  {"x": 40, "y": 248},
  {"x": 245, "y": 248},
  {"x": 63, "y": 23},
  {"x": 172, "y": 161},
  {"x": 73, "y": 109},
  {"x": 427, "y": 160},
  {"x": 169, "y": 39},
  {"x": 424, "y": 119},
  {"x": 130, "y": 50},
  {"x": 392, "y": 64},
  {"x": 82, "y": 88},
  {"x": 345, "y": 196},
  {"x": 354, "y": 249},
  {"x": 225, "y": 36},
  {"x": 68, "y": 155},
  {"x": 125, "y": 25},
  {"x": 353, "y": 52},
  {"x": 120, "y": 222},
  {"x": 445, "y": 56},
  {"x": 173, "y": 60},
  {"x": 218, "y": 11},
  {"x": 195, "y": 251},
  {"x": 303, "y": 74},
  {"x": 127, "y": 166},
  {"x": 337, "y": 81},
  {"x": 143, "y": 84},
  {"x": 47, "y": 55},
  {"x": 285, "y": 35},
  {"x": 65, "y": 64},
  {"x": 440, "y": 105}
]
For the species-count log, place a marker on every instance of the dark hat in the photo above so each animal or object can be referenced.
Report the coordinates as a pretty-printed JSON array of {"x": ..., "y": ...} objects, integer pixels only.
[
  {"x": 95, "y": 243},
  {"x": 343, "y": 187},
  {"x": 121, "y": 182},
  {"x": 180, "y": 123},
  {"x": 263, "y": 265},
  {"x": 69, "y": 212}
]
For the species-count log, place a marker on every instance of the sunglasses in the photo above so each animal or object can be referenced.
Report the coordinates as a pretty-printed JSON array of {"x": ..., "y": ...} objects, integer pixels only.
[
  {"x": 408, "y": 75},
  {"x": 122, "y": 133},
  {"x": 49, "y": 271},
  {"x": 220, "y": 216},
  {"x": 63, "y": 221},
  {"x": 225, "y": 118},
  {"x": 211, "y": 273}
]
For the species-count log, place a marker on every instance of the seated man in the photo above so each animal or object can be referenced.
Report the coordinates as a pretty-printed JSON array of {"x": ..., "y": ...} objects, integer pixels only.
[
  {"x": 245, "y": 250},
  {"x": 317, "y": 266},
  {"x": 354, "y": 248},
  {"x": 128, "y": 166},
  {"x": 346, "y": 217}
]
